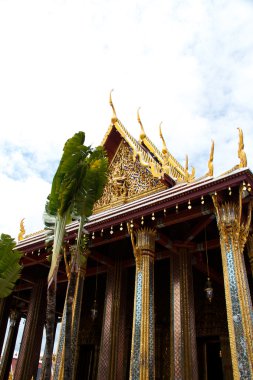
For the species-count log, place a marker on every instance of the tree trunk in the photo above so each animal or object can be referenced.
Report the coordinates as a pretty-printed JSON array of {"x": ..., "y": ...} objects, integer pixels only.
[
  {"x": 50, "y": 324},
  {"x": 68, "y": 362}
]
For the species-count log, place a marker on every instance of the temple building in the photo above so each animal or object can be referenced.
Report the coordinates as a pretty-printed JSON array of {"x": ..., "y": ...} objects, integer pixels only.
[{"x": 167, "y": 290}]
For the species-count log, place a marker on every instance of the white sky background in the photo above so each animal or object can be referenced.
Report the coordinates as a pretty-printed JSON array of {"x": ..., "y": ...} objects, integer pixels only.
[{"x": 186, "y": 63}]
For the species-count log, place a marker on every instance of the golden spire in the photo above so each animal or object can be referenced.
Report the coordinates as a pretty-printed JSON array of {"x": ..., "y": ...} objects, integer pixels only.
[
  {"x": 164, "y": 148},
  {"x": 142, "y": 134},
  {"x": 210, "y": 162},
  {"x": 186, "y": 163},
  {"x": 241, "y": 153},
  {"x": 114, "y": 116},
  {"x": 22, "y": 230}
]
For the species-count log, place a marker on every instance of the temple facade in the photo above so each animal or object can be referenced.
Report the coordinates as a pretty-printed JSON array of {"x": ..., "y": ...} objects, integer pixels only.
[{"x": 166, "y": 292}]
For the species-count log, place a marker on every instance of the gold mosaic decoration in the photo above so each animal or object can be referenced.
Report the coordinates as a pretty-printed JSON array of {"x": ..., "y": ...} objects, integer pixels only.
[{"x": 128, "y": 180}]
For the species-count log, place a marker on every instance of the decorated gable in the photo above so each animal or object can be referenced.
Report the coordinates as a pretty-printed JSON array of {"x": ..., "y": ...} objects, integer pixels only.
[{"x": 128, "y": 179}]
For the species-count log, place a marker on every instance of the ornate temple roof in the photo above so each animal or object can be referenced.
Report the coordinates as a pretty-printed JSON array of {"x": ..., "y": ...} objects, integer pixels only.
[{"x": 143, "y": 180}]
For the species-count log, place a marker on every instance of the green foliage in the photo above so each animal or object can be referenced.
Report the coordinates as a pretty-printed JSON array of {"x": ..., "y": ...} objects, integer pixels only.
[
  {"x": 9, "y": 265},
  {"x": 79, "y": 179},
  {"x": 78, "y": 183}
]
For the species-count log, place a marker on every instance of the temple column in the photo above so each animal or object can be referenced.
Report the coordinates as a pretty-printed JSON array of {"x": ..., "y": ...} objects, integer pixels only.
[
  {"x": 5, "y": 367},
  {"x": 226, "y": 358},
  {"x": 250, "y": 251},
  {"x": 233, "y": 236},
  {"x": 76, "y": 313},
  {"x": 4, "y": 315},
  {"x": 29, "y": 354},
  {"x": 111, "y": 365},
  {"x": 142, "y": 365},
  {"x": 183, "y": 348}
]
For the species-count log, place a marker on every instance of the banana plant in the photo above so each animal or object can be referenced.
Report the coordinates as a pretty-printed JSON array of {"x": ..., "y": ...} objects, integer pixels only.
[
  {"x": 78, "y": 183},
  {"x": 10, "y": 267}
]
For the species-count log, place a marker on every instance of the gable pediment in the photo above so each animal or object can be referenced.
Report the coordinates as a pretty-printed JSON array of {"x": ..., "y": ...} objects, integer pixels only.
[{"x": 128, "y": 179}]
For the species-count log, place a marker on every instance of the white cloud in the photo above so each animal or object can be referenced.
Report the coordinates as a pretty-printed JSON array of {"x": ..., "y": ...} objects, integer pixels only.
[{"x": 186, "y": 63}]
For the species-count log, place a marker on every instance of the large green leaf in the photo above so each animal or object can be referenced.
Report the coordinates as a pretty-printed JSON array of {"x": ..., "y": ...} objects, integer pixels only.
[
  {"x": 9, "y": 265},
  {"x": 71, "y": 156}
]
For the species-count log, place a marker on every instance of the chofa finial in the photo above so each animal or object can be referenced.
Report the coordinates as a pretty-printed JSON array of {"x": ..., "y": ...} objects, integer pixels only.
[
  {"x": 210, "y": 162},
  {"x": 114, "y": 116},
  {"x": 22, "y": 230},
  {"x": 241, "y": 153},
  {"x": 164, "y": 148},
  {"x": 142, "y": 134}
]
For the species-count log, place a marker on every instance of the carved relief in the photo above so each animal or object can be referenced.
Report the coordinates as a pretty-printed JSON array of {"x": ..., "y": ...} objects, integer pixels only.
[{"x": 128, "y": 180}]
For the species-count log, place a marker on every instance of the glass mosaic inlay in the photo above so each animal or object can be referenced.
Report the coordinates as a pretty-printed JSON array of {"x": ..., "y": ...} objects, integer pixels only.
[
  {"x": 237, "y": 319},
  {"x": 137, "y": 335}
]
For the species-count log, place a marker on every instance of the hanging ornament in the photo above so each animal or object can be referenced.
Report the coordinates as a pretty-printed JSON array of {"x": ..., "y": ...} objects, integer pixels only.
[
  {"x": 249, "y": 187},
  {"x": 164, "y": 212},
  {"x": 93, "y": 235},
  {"x": 121, "y": 227},
  {"x": 202, "y": 200},
  {"x": 111, "y": 231},
  {"x": 131, "y": 223},
  {"x": 189, "y": 205},
  {"x": 102, "y": 232},
  {"x": 142, "y": 220},
  {"x": 229, "y": 191},
  {"x": 244, "y": 186},
  {"x": 153, "y": 216},
  {"x": 208, "y": 289},
  {"x": 94, "y": 310},
  {"x": 176, "y": 208}
]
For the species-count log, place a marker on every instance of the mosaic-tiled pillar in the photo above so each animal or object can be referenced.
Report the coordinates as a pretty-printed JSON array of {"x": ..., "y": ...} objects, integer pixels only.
[
  {"x": 183, "y": 350},
  {"x": 10, "y": 345},
  {"x": 111, "y": 364},
  {"x": 189, "y": 345},
  {"x": 76, "y": 313},
  {"x": 250, "y": 251},
  {"x": 4, "y": 315},
  {"x": 226, "y": 358},
  {"x": 176, "y": 362},
  {"x": 28, "y": 359},
  {"x": 142, "y": 365},
  {"x": 233, "y": 235}
]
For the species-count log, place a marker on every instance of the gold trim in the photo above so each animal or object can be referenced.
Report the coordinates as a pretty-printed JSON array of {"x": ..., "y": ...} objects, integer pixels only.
[
  {"x": 234, "y": 231},
  {"x": 241, "y": 153}
]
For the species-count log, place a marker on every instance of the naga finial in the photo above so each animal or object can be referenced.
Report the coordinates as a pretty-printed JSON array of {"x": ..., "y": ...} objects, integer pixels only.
[
  {"x": 164, "y": 148},
  {"x": 189, "y": 177},
  {"x": 210, "y": 162},
  {"x": 186, "y": 163},
  {"x": 142, "y": 134},
  {"x": 22, "y": 230},
  {"x": 114, "y": 116},
  {"x": 241, "y": 153}
]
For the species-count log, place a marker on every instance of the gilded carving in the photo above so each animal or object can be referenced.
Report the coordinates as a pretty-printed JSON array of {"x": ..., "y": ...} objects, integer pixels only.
[
  {"x": 128, "y": 179},
  {"x": 250, "y": 251},
  {"x": 241, "y": 153},
  {"x": 229, "y": 220},
  {"x": 233, "y": 235},
  {"x": 210, "y": 162},
  {"x": 22, "y": 230}
]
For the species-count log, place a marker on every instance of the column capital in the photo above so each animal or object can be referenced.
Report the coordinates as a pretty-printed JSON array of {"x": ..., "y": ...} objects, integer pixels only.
[
  {"x": 143, "y": 242},
  {"x": 230, "y": 219}
]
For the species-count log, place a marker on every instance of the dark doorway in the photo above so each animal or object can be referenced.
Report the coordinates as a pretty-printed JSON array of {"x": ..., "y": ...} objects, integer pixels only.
[
  {"x": 209, "y": 358},
  {"x": 214, "y": 364},
  {"x": 85, "y": 362}
]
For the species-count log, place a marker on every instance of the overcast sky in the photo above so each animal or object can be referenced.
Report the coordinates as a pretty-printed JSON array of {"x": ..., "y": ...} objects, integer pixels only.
[{"x": 186, "y": 63}]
